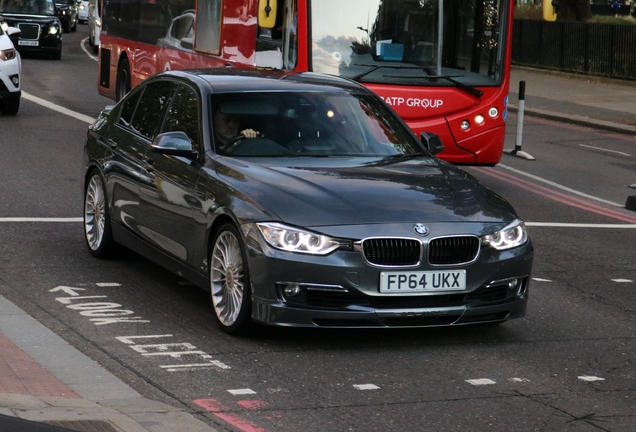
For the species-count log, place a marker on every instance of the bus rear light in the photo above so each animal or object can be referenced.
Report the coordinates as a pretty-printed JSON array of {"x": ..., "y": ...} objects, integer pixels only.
[
  {"x": 465, "y": 125},
  {"x": 493, "y": 112},
  {"x": 479, "y": 119}
]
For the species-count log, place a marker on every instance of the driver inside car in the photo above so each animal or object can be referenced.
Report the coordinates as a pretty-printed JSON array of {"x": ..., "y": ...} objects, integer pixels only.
[{"x": 226, "y": 127}]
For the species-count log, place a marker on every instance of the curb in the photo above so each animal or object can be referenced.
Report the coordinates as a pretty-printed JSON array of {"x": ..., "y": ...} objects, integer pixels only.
[{"x": 578, "y": 120}]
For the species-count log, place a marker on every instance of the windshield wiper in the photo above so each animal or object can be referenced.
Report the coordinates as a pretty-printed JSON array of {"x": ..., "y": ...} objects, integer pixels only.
[
  {"x": 398, "y": 157},
  {"x": 450, "y": 78}
]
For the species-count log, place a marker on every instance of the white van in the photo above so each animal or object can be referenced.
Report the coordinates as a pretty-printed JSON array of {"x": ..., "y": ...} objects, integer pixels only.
[{"x": 94, "y": 23}]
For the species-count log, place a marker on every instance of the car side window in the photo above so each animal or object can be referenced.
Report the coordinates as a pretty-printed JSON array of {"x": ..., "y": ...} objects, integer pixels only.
[
  {"x": 128, "y": 109},
  {"x": 183, "y": 115},
  {"x": 152, "y": 107}
]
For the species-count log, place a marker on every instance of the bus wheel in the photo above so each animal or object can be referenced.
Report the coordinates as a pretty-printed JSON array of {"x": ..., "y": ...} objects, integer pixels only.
[{"x": 123, "y": 79}]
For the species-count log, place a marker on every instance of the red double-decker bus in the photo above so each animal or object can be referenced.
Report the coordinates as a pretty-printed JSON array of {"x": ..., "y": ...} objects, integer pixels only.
[{"x": 442, "y": 65}]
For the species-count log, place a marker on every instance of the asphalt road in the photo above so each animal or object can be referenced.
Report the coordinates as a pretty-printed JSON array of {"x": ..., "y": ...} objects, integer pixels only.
[{"x": 568, "y": 365}]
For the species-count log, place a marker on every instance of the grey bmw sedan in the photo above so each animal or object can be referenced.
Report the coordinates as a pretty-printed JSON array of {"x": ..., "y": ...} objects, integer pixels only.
[{"x": 300, "y": 201}]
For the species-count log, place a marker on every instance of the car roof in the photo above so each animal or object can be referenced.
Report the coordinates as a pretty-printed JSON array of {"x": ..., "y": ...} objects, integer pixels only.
[{"x": 237, "y": 81}]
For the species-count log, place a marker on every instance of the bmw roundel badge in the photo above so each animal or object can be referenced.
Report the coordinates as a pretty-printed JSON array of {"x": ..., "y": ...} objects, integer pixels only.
[{"x": 420, "y": 229}]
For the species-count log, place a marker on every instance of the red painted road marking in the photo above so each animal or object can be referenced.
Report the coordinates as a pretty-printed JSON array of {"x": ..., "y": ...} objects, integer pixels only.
[
  {"x": 223, "y": 412},
  {"x": 558, "y": 196},
  {"x": 252, "y": 404}
]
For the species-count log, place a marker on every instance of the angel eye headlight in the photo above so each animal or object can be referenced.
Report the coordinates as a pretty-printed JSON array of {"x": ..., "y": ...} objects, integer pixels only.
[
  {"x": 511, "y": 236},
  {"x": 296, "y": 240}
]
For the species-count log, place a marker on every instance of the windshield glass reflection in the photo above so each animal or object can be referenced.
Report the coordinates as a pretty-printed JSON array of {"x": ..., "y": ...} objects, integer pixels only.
[
  {"x": 298, "y": 124},
  {"x": 409, "y": 42}
]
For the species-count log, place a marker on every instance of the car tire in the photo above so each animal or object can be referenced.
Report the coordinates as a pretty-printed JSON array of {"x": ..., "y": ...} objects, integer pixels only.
[
  {"x": 230, "y": 286},
  {"x": 97, "y": 224},
  {"x": 10, "y": 105},
  {"x": 57, "y": 55},
  {"x": 123, "y": 79},
  {"x": 66, "y": 27}
]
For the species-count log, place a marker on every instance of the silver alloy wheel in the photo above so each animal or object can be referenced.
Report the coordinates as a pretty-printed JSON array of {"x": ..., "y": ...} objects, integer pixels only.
[
  {"x": 227, "y": 278},
  {"x": 95, "y": 212}
]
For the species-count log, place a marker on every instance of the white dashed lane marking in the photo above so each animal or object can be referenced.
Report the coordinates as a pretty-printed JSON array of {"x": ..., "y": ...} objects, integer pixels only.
[
  {"x": 366, "y": 387},
  {"x": 590, "y": 378},
  {"x": 481, "y": 381},
  {"x": 245, "y": 391}
]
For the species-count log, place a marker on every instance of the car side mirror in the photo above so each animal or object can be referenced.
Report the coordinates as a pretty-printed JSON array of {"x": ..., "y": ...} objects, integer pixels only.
[
  {"x": 186, "y": 43},
  {"x": 174, "y": 143},
  {"x": 432, "y": 142},
  {"x": 14, "y": 34}
]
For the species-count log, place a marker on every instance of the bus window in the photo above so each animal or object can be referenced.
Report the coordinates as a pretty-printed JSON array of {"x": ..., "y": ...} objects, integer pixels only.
[
  {"x": 277, "y": 46},
  {"x": 208, "y": 25}
]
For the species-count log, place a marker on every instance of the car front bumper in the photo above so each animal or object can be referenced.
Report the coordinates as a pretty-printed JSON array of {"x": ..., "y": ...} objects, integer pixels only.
[{"x": 342, "y": 290}]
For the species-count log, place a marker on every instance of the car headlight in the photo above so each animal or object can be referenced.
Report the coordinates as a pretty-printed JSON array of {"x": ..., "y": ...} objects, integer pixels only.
[
  {"x": 296, "y": 240},
  {"x": 8, "y": 54},
  {"x": 54, "y": 30},
  {"x": 511, "y": 236}
]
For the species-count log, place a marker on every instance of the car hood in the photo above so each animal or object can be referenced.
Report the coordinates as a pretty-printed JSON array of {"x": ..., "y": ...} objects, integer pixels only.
[
  {"x": 13, "y": 19},
  {"x": 336, "y": 192}
]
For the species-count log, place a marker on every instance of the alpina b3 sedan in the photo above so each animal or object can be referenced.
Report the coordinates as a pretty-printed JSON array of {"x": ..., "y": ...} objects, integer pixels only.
[{"x": 300, "y": 201}]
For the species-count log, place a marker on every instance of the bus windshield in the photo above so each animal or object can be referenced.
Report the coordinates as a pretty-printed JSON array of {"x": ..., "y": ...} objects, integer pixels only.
[{"x": 410, "y": 42}]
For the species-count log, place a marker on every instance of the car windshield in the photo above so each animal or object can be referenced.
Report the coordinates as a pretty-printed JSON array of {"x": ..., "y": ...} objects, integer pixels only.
[
  {"x": 312, "y": 124},
  {"x": 410, "y": 42},
  {"x": 27, "y": 7}
]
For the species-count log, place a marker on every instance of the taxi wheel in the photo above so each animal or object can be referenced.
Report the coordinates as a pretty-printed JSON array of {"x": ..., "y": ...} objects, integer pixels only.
[{"x": 230, "y": 282}]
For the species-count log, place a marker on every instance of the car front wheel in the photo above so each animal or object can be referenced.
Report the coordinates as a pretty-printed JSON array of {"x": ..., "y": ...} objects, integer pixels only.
[
  {"x": 230, "y": 282},
  {"x": 10, "y": 105},
  {"x": 97, "y": 229}
]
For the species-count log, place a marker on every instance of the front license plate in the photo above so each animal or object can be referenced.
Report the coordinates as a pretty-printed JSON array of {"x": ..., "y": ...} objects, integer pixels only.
[
  {"x": 28, "y": 43},
  {"x": 422, "y": 281}
]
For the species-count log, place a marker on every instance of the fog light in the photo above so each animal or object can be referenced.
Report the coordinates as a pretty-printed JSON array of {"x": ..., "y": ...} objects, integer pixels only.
[
  {"x": 493, "y": 112},
  {"x": 512, "y": 284},
  {"x": 291, "y": 290},
  {"x": 15, "y": 80},
  {"x": 479, "y": 119},
  {"x": 465, "y": 125}
]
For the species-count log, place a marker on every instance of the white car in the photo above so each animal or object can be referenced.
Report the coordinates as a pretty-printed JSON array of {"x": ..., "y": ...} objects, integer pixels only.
[
  {"x": 82, "y": 12},
  {"x": 10, "y": 71}
]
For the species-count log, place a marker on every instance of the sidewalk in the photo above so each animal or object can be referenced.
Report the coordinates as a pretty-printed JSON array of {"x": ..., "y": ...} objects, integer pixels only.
[
  {"x": 46, "y": 385},
  {"x": 43, "y": 379},
  {"x": 584, "y": 100}
]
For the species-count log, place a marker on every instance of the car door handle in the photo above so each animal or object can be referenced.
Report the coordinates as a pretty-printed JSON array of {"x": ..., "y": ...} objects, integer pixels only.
[{"x": 149, "y": 164}]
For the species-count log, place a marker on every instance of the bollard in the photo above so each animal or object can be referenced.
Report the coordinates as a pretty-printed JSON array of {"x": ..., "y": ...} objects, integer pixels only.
[{"x": 522, "y": 104}]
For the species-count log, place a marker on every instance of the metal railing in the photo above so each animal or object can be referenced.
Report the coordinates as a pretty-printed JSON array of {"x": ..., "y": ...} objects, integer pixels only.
[{"x": 589, "y": 48}]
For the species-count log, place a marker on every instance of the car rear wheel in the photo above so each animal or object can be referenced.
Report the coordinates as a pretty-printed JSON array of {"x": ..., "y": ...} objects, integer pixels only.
[
  {"x": 123, "y": 79},
  {"x": 10, "y": 105},
  {"x": 97, "y": 229},
  {"x": 230, "y": 282}
]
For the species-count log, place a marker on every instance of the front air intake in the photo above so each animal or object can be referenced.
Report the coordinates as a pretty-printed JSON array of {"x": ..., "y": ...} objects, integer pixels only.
[
  {"x": 392, "y": 251},
  {"x": 453, "y": 250}
]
